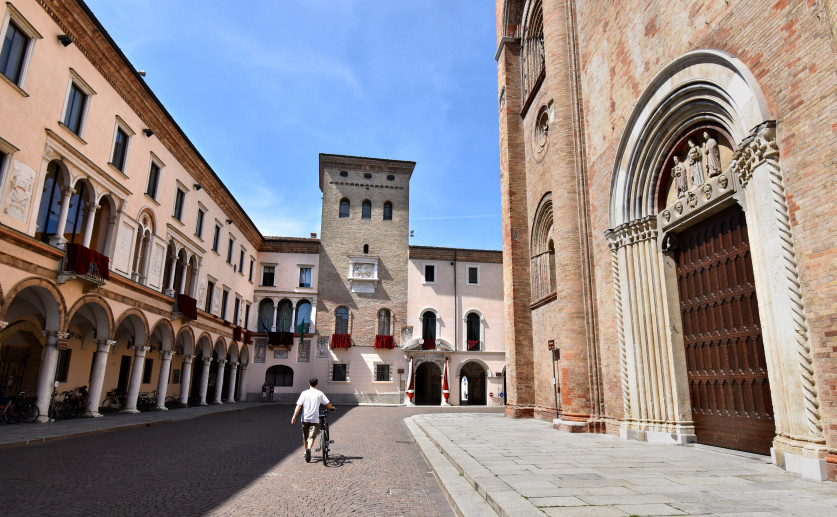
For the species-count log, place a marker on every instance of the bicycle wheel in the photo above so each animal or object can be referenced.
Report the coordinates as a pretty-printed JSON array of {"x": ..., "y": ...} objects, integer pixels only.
[
  {"x": 12, "y": 413},
  {"x": 30, "y": 412},
  {"x": 324, "y": 446},
  {"x": 110, "y": 405}
]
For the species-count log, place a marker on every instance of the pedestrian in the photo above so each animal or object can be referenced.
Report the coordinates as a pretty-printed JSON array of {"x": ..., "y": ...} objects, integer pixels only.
[
  {"x": 309, "y": 403},
  {"x": 264, "y": 392}
]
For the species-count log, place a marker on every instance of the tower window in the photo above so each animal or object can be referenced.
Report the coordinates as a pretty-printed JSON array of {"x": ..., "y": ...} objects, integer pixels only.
[
  {"x": 366, "y": 210},
  {"x": 344, "y": 208},
  {"x": 387, "y": 211}
]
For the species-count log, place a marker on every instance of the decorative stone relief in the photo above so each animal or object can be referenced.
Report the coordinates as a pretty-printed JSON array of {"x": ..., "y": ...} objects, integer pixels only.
[
  {"x": 19, "y": 197},
  {"x": 122, "y": 255},
  {"x": 202, "y": 294},
  {"x": 406, "y": 335},
  {"x": 757, "y": 148},
  {"x": 216, "y": 300},
  {"x": 502, "y": 101},
  {"x": 304, "y": 351},
  {"x": 699, "y": 165},
  {"x": 156, "y": 271},
  {"x": 322, "y": 347},
  {"x": 540, "y": 140},
  {"x": 363, "y": 273},
  {"x": 707, "y": 191},
  {"x": 261, "y": 350},
  {"x": 280, "y": 354}
]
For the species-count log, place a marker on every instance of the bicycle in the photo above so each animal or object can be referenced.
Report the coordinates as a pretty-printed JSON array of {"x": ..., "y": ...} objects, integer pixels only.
[
  {"x": 173, "y": 401},
  {"x": 324, "y": 437},
  {"x": 114, "y": 402}
]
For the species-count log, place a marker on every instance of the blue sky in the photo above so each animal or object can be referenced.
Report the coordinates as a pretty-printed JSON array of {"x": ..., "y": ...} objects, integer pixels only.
[{"x": 261, "y": 88}]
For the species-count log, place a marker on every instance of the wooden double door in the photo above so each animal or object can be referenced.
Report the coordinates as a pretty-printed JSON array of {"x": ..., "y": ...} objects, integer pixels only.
[{"x": 725, "y": 361}]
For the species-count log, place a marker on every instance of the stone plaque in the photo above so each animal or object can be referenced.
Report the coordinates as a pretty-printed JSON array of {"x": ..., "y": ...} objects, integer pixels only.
[
  {"x": 280, "y": 354},
  {"x": 322, "y": 347},
  {"x": 304, "y": 351}
]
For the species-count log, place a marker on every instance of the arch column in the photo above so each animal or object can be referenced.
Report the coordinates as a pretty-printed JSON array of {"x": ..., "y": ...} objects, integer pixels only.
[
  {"x": 136, "y": 379},
  {"x": 186, "y": 379},
  {"x": 88, "y": 225},
  {"x": 57, "y": 239},
  {"x": 110, "y": 234},
  {"x": 97, "y": 377},
  {"x": 163, "y": 381},
  {"x": 275, "y": 314},
  {"x": 182, "y": 287},
  {"x": 231, "y": 388},
  {"x": 172, "y": 266},
  {"x": 46, "y": 375},
  {"x": 204, "y": 379},
  {"x": 219, "y": 381},
  {"x": 242, "y": 391}
]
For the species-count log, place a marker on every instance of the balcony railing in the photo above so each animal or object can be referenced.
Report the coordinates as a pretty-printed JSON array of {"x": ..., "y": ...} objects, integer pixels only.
[{"x": 82, "y": 262}]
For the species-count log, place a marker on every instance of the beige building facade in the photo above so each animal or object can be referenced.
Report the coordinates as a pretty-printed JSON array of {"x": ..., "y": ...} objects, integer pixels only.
[
  {"x": 668, "y": 209},
  {"x": 126, "y": 265}
]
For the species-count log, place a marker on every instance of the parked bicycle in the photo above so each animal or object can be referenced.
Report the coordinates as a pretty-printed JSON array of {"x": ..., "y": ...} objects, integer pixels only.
[
  {"x": 325, "y": 441},
  {"x": 20, "y": 408},
  {"x": 173, "y": 401},
  {"x": 147, "y": 401},
  {"x": 114, "y": 402}
]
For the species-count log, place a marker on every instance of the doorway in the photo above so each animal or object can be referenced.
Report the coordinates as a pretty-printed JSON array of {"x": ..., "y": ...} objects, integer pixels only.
[
  {"x": 472, "y": 375},
  {"x": 428, "y": 384}
]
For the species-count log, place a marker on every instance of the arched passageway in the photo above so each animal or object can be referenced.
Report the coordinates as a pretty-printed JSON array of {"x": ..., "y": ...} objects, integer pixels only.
[
  {"x": 472, "y": 384},
  {"x": 428, "y": 384}
]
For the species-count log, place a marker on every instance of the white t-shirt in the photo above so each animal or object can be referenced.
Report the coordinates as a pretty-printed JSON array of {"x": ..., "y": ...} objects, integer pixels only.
[{"x": 310, "y": 401}]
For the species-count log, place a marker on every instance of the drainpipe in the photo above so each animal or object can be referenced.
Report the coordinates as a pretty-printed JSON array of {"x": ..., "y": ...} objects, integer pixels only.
[{"x": 455, "y": 307}]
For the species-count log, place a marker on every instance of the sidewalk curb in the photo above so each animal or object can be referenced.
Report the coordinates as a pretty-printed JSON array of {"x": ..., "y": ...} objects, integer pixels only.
[
  {"x": 459, "y": 493},
  {"x": 78, "y": 434},
  {"x": 503, "y": 499}
]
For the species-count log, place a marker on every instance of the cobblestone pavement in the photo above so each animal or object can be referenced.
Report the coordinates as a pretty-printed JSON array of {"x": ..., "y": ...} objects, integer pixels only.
[
  {"x": 248, "y": 462},
  {"x": 524, "y": 467}
]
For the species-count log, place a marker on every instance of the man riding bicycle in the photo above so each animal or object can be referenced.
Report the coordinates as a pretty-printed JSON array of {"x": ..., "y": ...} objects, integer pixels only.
[{"x": 309, "y": 402}]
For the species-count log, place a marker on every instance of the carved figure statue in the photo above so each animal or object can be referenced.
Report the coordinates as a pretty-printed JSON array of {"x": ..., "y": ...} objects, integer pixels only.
[
  {"x": 680, "y": 181},
  {"x": 713, "y": 156},
  {"x": 694, "y": 159}
]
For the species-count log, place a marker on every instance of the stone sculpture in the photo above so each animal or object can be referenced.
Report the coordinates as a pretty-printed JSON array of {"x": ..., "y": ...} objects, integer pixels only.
[
  {"x": 694, "y": 158},
  {"x": 713, "y": 156},
  {"x": 679, "y": 174}
]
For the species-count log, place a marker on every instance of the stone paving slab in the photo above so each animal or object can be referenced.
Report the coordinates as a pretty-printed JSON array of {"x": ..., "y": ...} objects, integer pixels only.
[
  {"x": 26, "y": 434},
  {"x": 524, "y": 467}
]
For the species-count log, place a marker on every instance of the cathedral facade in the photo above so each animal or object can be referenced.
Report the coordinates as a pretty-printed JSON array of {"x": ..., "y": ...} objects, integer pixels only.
[{"x": 668, "y": 222}]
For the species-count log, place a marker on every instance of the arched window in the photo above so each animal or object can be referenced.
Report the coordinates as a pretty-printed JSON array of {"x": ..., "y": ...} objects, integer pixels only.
[
  {"x": 532, "y": 66},
  {"x": 384, "y": 320},
  {"x": 50, "y": 204},
  {"x": 428, "y": 325},
  {"x": 76, "y": 214},
  {"x": 366, "y": 210},
  {"x": 387, "y": 211},
  {"x": 279, "y": 375},
  {"x": 344, "y": 207},
  {"x": 472, "y": 323},
  {"x": 341, "y": 321},
  {"x": 365, "y": 249},
  {"x": 285, "y": 316},
  {"x": 265, "y": 322},
  {"x": 303, "y": 316},
  {"x": 542, "y": 268}
]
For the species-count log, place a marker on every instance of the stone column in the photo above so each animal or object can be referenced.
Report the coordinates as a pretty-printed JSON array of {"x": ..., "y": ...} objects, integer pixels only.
[
  {"x": 136, "y": 379},
  {"x": 275, "y": 314},
  {"x": 57, "y": 238},
  {"x": 182, "y": 287},
  {"x": 146, "y": 252},
  {"x": 242, "y": 389},
  {"x": 219, "y": 381},
  {"x": 204, "y": 379},
  {"x": 97, "y": 377},
  {"x": 110, "y": 235},
  {"x": 292, "y": 324},
  {"x": 46, "y": 375},
  {"x": 88, "y": 225},
  {"x": 163, "y": 381},
  {"x": 231, "y": 388},
  {"x": 186, "y": 379},
  {"x": 172, "y": 265}
]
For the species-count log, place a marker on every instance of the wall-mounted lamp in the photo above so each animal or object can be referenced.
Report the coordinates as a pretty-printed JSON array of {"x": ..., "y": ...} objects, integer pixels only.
[
  {"x": 65, "y": 40},
  {"x": 229, "y": 221},
  {"x": 198, "y": 186},
  {"x": 141, "y": 73},
  {"x": 148, "y": 132}
]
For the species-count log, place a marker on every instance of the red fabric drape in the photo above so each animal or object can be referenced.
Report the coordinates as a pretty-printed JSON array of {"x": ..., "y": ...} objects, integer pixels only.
[
  {"x": 238, "y": 332},
  {"x": 473, "y": 345},
  {"x": 280, "y": 338},
  {"x": 103, "y": 263},
  {"x": 80, "y": 258},
  {"x": 247, "y": 335},
  {"x": 384, "y": 342},
  {"x": 341, "y": 341},
  {"x": 428, "y": 344},
  {"x": 188, "y": 306}
]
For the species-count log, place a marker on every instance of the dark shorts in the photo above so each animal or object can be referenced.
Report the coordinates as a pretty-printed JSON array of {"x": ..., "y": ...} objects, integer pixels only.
[{"x": 309, "y": 431}]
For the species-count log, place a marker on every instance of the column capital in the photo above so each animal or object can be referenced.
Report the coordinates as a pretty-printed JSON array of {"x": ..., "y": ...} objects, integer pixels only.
[
  {"x": 140, "y": 350},
  {"x": 3, "y": 324},
  {"x": 233, "y": 364},
  {"x": 222, "y": 362},
  {"x": 167, "y": 354},
  {"x": 92, "y": 208},
  {"x": 68, "y": 191},
  {"x": 187, "y": 359},
  {"x": 207, "y": 360},
  {"x": 103, "y": 345}
]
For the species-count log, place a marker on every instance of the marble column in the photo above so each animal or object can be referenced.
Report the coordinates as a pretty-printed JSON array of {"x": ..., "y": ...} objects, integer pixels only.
[
  {"x": 88, "y": 224},
  {"x": 163, "y": 381},
  {"x": 46, "y": 375},
  {"x": 231, "y": 388},
  {"x": 136, "y": 379},
  {"x": 275, "y": 315},
  {"x": 219, "y": 381},
  {"x": 57, "y": 238},
  {"x": 242, "y": 390},
  {"x": 97, "y": 377},
  {"x": 110, "y": 235},
  {"x": 182, "y": 287},
  {"x": 172, "y": 266},
  {"x": 186, "y": 379},
  {"x": 204, "y": 379}
]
